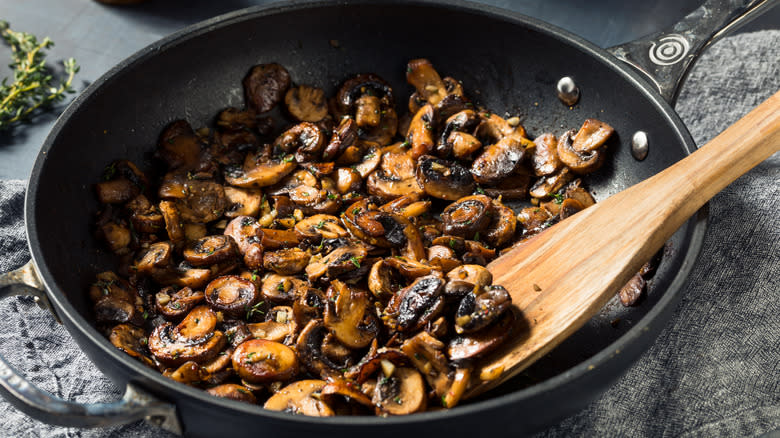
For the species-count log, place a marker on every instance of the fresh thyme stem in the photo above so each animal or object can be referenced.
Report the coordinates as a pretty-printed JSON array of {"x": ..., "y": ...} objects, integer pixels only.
[{"x": 32, "y": 87}]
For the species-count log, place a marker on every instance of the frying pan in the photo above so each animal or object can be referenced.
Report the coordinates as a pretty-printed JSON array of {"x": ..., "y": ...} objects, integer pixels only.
[{"x": 507, "y": 62}]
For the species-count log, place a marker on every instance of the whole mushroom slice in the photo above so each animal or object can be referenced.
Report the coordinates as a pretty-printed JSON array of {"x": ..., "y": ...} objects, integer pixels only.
[
  {"x": 260, "y": 170},
  {"x": 262, "y": 361},
  {"x": 467, "y": 216},
  {"x": 279, "y": 326},
  {"x": 476, "y": 275},
  {"x": 281, "y": 288},
  {"x": 569, "y": 207},
  {"x": 309, "y": 348},
  {"x": 550, "y": 184},
  {"x": 205, "y": 202},
  {"x": 376, "y": 227},
  {"x": 401, "y": 393},
  {"x": 580, "y": 162},
  {"x": 493, "y": 128},
  {"x": 305, "y": 139},
  {"x": 417, "y": 304},
  {"x": 340, "y": 261},
  {"x": 157, "y": 257},
  {"x": 381, "y": 281},
  {"x": 306, "y": 103},
  {"x": 232, "y": 295},
  {"x": 234, "y": 119},
  {"x": 309, "y": 306},
  {"x": 371, "y": 159},
  {"x": 443, "y": 258},
  {"x": 385, "y": 359},
  {"x": 290, "y": 182},
  {"x": 210, "y": 250},
  {"x": 455, "y": 137},
  {"x": 388, "y": 187},
  {"x": 265, "y": 86},
  {"x": 592, "y": 135},
  {"x": 513, "y": 187},
  {"x": 116, "y": 301},
  {"x": 574, "y": 190},
  {"x": 132, "y": 340},
  {"x": 427, "y": 355},
  {"x": 272, "y": 239},
  {"x": 501, "y": 159},
  {"x": 178, "y": 145},
  {"x": 123, "y": 181},
  {"x": 422, "y": 132},
  {"x": 444, "y": 179},
  {"x": 347, "y": 180},
  {"x": 344, "y": 136},
  {"x": 471, "y": 345},
  {"x": 320, "y": 226},
  {"x": 286, "y": 261},
  {"x": 545, "y": 159},
  {"x": 632, "y": 291},
  {"x": 188, "y": 373},
  {"x": 233, "y": 391},
  {"x": 174, "y": 305},
  {"x": 242, "y": 202},
  {"x": 408, "y": 206},
  {"x": 193, "y": 339},
  {"x": 501, "y": 229},
  {"x": 338, "y": 390},
  {"x": 348, "y": 315},
  {"x": 173, "y": 222},
  {"x": 244, "y": 232},
  {"x": 302, "y": 398},
  {"x": 426, "y": 80},
  {"x": 478, "y": 310},
  {"x": 362, "y": 85},
  {"x": 410, "y": 268}
]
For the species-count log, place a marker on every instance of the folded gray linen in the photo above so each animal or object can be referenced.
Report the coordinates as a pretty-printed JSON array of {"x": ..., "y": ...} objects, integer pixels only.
[{"x": 714, "y": 371}]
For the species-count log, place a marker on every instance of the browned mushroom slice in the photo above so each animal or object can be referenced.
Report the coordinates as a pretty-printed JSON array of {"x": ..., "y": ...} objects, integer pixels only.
[
  {"x": 149, "y": 222},
  {"x": 174, "y": 305},
  {"x": 373, "y": 226},
  {"x": 545, "y": 157},
  {"x": 347, "y": 180},
  {"x": 417, "y": 304},
  {"x": 185, "y": 277},
  {"x": 401, "y": 393},
  {"x": 236, "y": 332},
  {"x": 455, "y": 138},
  {"x": 132, "y": 340},
  {"x": 367, "y": 111},
  {"x": 158, "y": 256},
  {"x": 192, "y": 339},
  {"x": 272, "y": 239},
  {"x": 474, "y": 274},
  {"x": 309, "y": 348},
  {"x": 265, "y": 86},
  {"x": 493, "y": 128},
  {"x": 592, "y": 135},
  {"x": 244, "y": 232},
  {"x": 344, "y": 136},
  {"x": 500, "y": 160},
  {"x": 116, "y": 236},
  {"x": 443, "y": 258},
  {"x": 453, "y": 103},
  {"x": 173, "y": 223},
  {"x": 232, "y": 294},
  {"x": 260, "y": 170},
  {"x": 279, "y": 326},
  {"x": 408, "y": 206},
  {"x": 179, "y": 146},
  {"x": 302, "y": 398},
  {"x": 242, "y": 202},
  {"x": 389, "y": 187},
  {"x": 188, "y": 373},
  {"x": 309, "y": 305},
  {"x": 633, "y": 290},
  {"x": 421, "y": 132},
  {"x": 205, "y": 201},
  {"x": 569, "y": 207},
  {"x": 467, "y": 346},
  {"x": 210, "y": 250},
  {"x": 286, "y": 261},
  {"x": 348, "y": 315},
  {"x": 427, "y": 355},
  {"x": 340, "y": 261},
  {"x": 371, "y": 160},
  {"x": 501, "y": 229},
  {"x": 410, "y": 268},
  {"x": 381, "y": 281},
  {"x": 581, "y": 162},
  {"x": 306, "y": 196},
  {"x": 306, "y": 104},
  {"x": 575, "y": 191},
  {"x": 386, "y": 359},
  {"x": 467, "y": 216},
  {"x": 443, "y": 179},
  {"x": 423, "y": 77},
  {"x": 550, "y": 184},
  {"x": 281, "y": 289},
  {"x": 233, "y": 392},
  {"x": 304, "y": 139},
  {"x": 333, "y": 392},
  {"x": 262, "y": 361},
  {"x": 123, "y": 181},
  {"x": 477, "y": 311},
  {"x": 234, "y": 119}
]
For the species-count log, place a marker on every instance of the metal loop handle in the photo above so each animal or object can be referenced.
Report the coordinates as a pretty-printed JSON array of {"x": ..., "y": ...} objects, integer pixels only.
[
  {"x": 135, "y": 404},
  {"x": 666, "y": 57}
]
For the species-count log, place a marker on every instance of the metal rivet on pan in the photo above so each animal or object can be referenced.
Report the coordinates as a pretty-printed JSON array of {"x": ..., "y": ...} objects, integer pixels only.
[
  {"x": 639, "y": 145},
  {"x": 568, "y": 91}
]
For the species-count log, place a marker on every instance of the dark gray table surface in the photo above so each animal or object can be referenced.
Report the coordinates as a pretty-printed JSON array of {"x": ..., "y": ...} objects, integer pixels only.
[{"x": 100, "y": 36}]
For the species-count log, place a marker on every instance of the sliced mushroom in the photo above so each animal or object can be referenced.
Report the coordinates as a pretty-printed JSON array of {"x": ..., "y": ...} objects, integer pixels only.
[
  {"x": 371, "y": 160},
  {"x": 123, "y": 181},
  {"x": 244, "y": 232},
  {"x": 474, "y": 274},
  {"x": 550, "y": 184},
  {"x": 340, "y": 391},
  {"x": 236, "y": 332},
  {"x": 306, "y": 104},
  {"x": 370, "y": 98},
  {"x": 545, "y": 156},
  {"x": 453, "y": 103},
  {"x": 132, "y": 340},
  {"x": 175, "y": 304},
  {"x": 193, "y": 339},
  {"x": 581, "y": 162},
  {"x": 301, "y": 397},
  {"x": 242, "y": 202},
  {"x": 309, "y": 305},
  {"x": 233, "y": 119},
  {"x": 348, "y": 315},
  {"x": 574, "y": 190},
  {"x": 305, "y": 139},
  {"x": 477, "y": 311},
  {"x": 444, "y": 179},
  {"x": 426, "y": 80},
  {"x": 173, "y": 223},
  {"x": 272, "y": 239},
  {"x": 402, "y": 393},
  {"x": 260, "y": 170},
  {"x": 343, "y": 260},
  {"x": 262, "y": 361},
  {"x": 381, "y": 281},
  {"x": 286, "y": 261},
  {"x": 410, "y": 268},
  {"x": 178, "y": 145},
  {"x": 116, "y": 301},
  {"x": 493, "y": 128},
  {"x": 232, "y": 294},
  {"x": 569, "y": 207},
  {"x": 187, "y": 373},
  {"x": 233, "y": 392},
  {"x": 281, "y": 288},
  {"x": 455, "y": 137},
  {"x": 279, "y": 326},
  {"x": 210, "y": 250},
  {"x": 344, "y": 136},
  {"x": 373, "y": 226},
  {"x": 348, "y": 180},
  {"x": 500, "y": 160},
  {"x": 116, "y": 236},
  {"x": 633, "y": 290},
  {"x": 408, "y": 206},
  {"x": 367, "y": 111},
  {"x": 443, "y": 257},
  {"x": 501, "y": 229},
  {"x": 265, "y": 86},
  {"x": 592, "y": 135},
  {"x": 467, "y": 346},
  {"x": 309, "y": 348},
  {"x": 204, "y": 202},
  {"x": 427, "y": 355},
  {"x": 467, "y": 216},
  {"x": 421, "y": 132},
  {"x": 417, "y": 304}
]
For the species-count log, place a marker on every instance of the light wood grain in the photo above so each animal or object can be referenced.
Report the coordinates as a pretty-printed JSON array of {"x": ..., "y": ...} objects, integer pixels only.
[{"x": 580, "y": 263}]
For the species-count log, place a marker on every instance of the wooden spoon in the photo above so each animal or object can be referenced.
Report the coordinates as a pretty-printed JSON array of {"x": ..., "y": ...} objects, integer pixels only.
[{"x": 560, "y": 278}]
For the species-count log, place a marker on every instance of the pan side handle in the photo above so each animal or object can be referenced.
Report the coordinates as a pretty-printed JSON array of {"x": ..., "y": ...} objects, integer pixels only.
[
  {"x": 134, "y": 405},
  {"x": 665, "y": 57}
]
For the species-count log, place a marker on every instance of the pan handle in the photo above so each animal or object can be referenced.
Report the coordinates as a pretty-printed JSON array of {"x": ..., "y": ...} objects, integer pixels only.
[
  {"x": 135, "y": 404},
  {"x": 665, "y": 57}
]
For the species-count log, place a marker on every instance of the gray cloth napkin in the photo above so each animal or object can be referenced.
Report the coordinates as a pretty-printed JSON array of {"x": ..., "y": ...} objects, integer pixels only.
[{"x": 714, "y": 371}]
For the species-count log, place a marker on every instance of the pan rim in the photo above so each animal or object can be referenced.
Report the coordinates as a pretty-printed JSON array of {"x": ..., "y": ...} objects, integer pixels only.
[{"x": 66, "y": 311}]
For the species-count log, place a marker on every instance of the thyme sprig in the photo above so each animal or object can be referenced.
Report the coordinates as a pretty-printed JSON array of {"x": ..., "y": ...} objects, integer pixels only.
[{"x": 32, "y": 88}]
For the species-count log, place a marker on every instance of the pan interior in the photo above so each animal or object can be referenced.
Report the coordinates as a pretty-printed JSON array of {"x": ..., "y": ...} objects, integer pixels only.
[{"x": 508, "y": 68}]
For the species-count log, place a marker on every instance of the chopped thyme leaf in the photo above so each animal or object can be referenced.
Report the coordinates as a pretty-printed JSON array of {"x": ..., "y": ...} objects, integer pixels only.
[
  {"x": 320, "y": 225},
  {"x": 355, "y": 261},
  {"x": 558, "y": 198}
]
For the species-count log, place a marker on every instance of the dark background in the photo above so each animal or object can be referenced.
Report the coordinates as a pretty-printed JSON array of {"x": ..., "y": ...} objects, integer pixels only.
[{"x": 99, "y": 36}]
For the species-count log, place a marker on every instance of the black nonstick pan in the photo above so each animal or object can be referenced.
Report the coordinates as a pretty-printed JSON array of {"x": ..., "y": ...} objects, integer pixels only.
[{"x": 507, "y": 62}]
